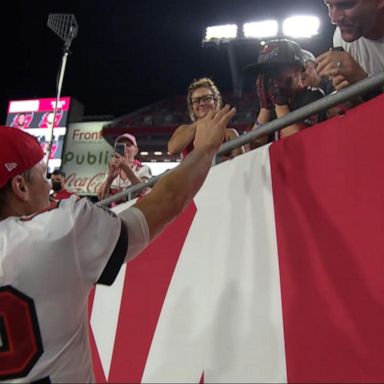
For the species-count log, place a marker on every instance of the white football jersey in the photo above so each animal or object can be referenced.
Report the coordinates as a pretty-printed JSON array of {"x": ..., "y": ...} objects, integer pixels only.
[{"x": 48, "y": 264}]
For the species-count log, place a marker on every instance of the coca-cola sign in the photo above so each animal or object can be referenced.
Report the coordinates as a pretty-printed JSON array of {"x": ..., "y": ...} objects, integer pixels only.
[
  {"x": 86, "y": 156},
  {"x": 81, "y": 184}
]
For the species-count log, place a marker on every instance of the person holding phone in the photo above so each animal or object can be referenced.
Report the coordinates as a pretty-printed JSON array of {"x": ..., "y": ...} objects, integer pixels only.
[{"x": 123, "y": 169}]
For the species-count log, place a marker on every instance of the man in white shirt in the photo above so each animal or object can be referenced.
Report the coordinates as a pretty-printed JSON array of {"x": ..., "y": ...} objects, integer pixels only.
[
  {"x": 360, "y": 32},
  {"x": 50, "y": 257},
  {"x": 123, "y": 170}
]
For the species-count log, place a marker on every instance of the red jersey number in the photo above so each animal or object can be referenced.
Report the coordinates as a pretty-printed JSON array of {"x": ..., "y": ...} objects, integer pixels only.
[{"x": 20, "y": 339}]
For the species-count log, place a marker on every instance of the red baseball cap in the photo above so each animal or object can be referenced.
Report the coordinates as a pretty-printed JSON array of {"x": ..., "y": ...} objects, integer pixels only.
[
  {"x": 19, "y": 151},
  {"x": 127, "y": 136}
]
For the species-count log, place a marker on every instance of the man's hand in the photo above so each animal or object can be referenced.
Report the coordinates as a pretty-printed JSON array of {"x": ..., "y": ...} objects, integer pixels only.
[
  {"x": 113, "y": 167},
  {"x": 123, "y": 163},
  {"x": 262, "y": 92},
  {"x": 210, "y": 130},
  {"x": 340, "y": 67}
]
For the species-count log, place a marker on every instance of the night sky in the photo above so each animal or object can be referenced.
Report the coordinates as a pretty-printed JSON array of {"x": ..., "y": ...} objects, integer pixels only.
[{"x": 128, "y": 53}]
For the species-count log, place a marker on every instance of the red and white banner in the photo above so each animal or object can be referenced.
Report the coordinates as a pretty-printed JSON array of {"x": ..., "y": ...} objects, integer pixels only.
[{"x": 274, "y": 274}]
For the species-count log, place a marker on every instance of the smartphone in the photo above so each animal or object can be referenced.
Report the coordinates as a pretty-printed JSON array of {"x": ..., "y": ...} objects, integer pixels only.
[{"x": 120, "y": 149}]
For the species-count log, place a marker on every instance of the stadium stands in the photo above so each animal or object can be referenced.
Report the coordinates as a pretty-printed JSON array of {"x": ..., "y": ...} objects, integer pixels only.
[{"x": 154, "y": 124}]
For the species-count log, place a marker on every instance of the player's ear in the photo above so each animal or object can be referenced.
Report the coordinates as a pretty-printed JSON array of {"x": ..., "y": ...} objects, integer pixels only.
[{"x": 20, "y": 187}]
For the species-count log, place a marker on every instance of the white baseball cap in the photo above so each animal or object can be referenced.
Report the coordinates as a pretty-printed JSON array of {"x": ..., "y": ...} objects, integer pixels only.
[{"x": 127, "y": 136}]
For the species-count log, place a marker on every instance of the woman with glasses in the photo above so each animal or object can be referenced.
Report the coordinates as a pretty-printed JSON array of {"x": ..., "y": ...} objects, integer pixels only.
[{"x": 203, "y": 97}]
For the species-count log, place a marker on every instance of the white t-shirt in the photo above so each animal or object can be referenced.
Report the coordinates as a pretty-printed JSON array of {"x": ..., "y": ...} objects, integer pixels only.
[
  {"x": 368, "y": 53},
  {"x": 48, "y": 264}
]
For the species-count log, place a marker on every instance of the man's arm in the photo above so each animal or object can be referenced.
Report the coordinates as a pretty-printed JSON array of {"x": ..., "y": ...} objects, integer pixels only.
[
  {"x": 170, "y": 195},
  {"x": 103, "y": 190},
  {"x": 131, "y": 174},
  {"x": 181, "y": 138},
  {"x": 175, "y": 190}
]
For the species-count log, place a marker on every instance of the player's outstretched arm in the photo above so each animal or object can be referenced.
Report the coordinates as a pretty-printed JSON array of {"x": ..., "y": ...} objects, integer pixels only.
[{"x": 176, "y": 189}]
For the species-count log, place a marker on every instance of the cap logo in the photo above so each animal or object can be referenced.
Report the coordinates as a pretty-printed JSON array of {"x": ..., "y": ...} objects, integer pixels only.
[
  {"x": 269, "y": 52},
  {"x": 10, "y": 166}
]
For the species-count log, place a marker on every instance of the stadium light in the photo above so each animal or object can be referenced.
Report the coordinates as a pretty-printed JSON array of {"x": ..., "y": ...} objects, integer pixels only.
[
  {"x": 261, "y": 29},
  {"x": 65, "y": 26},
  {"x": 301, "y": 26},
  {"x": 228, "y": 31}
]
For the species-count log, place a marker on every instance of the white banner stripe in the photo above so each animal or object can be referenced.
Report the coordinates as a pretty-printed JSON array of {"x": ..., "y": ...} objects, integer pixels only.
[{"x": 222, "y": 314}]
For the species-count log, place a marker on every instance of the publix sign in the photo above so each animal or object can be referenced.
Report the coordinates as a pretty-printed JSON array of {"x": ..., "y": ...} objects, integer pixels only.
[{"x": 86, "y": 156}]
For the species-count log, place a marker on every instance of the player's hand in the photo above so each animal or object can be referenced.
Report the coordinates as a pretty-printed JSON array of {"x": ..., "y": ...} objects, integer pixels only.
[
  {"x": 262, "y": 92},
  {"x": 210, "y": 130},
  {"x": 340, "y": 67},
  {"x": 279, "y": 91}
]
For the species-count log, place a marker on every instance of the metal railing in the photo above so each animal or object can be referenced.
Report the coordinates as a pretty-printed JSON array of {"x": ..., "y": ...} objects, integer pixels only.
[
  {"x": 361, "y": 88},
  {"x": 132, "y": 191}
]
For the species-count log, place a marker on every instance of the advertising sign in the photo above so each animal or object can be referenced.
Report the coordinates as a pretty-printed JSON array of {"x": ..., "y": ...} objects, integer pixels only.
[
  {"x": 85, "y": 158},
  {"x": 36, "y": 117}
]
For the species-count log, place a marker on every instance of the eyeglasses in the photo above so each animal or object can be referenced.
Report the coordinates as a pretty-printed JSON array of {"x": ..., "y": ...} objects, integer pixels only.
[{"x": 205, "y": 99}]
